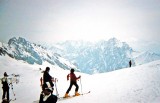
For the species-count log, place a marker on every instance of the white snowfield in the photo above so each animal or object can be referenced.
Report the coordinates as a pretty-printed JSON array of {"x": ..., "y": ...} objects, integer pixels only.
[{"x": 139, "y": 84}]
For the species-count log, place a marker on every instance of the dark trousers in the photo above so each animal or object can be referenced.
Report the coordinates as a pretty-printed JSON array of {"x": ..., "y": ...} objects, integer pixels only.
[
  {"x": 5, "y": 90},
  {"x": 71, "y": 84}
]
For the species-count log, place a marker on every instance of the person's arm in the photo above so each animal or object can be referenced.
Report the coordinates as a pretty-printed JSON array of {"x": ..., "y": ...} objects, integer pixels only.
[
  {"x": 51, "y": 78},
  {"x": 78, "y": 77},
  {"x": 68, "y": 77}
]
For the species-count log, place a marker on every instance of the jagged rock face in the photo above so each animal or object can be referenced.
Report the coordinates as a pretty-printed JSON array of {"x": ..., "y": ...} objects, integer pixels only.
[
  {"x": 2, "y": 51},
  {"x": 23, "y": 50},
  {"x": 31, "y": 53}
]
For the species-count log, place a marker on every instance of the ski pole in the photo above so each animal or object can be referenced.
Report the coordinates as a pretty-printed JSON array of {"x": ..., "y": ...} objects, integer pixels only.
[
  {"x": 56, "y": 87},
  {"x": 81, "y": 86},
  {"x": 13, "y": 91}
]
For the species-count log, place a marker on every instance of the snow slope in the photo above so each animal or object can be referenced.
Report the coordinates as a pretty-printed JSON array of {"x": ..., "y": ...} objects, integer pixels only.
[
  {"x": 139, "y": 84},
  {"x": 146, "y": 57}
]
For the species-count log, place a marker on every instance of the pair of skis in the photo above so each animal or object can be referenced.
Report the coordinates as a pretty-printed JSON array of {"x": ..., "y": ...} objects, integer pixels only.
[
  {"x": 63, "y": 98},
  {"x": 72, "y": 96}
]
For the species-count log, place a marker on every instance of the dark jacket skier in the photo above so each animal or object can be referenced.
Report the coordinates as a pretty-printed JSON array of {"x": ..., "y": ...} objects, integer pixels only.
[
  {"x": 47, "y": 78},
  {"x": 73, "y": 81},
  {"x": 5, "y": 86}
]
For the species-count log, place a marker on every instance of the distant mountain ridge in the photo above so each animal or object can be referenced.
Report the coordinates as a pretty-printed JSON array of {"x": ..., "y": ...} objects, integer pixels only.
[
  {"x": 99, "y": 57},
  {"x": 31, "y": 53},
  {"x": 146, "y": 57},
  {"x": 87, "y": 57}
]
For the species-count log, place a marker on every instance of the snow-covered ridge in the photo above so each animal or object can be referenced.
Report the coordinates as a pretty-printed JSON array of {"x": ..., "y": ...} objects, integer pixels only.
[
  {"x": 146, "y": 57},
  {"x": 21, "y": 49}
]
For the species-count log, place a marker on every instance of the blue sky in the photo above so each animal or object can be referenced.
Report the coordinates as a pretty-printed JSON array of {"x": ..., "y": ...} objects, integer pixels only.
[{"x": 58, "y": 20}]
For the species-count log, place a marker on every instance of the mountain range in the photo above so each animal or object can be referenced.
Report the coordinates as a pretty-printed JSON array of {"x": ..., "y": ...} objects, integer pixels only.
[
  {"x": 99, "y": 57},
  {"x": 88, "y": 57}
]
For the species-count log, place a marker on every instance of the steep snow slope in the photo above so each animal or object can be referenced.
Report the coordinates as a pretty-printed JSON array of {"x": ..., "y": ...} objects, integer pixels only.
[{"x": 139, "y": 84}]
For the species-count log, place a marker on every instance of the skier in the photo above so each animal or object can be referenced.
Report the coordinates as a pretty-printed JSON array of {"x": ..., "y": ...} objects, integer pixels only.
[
  {"x": 46, "y": 96},
  {"x": 73, "y": 81},
  {"x": 5, "y": 87},
  {"x": 130, "y": 63},
  {"x": 47, "y": 78}
]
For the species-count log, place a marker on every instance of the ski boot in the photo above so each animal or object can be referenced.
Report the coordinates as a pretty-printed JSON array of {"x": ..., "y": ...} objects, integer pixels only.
[
  {"x": 66, "y": 95},
  {"x": 77, "y": 94}
]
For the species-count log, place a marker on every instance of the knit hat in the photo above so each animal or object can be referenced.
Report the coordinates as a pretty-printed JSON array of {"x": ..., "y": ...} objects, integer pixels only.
[
  {"x": 5, "y": 74},
  {"x": 72, "y": 70}
]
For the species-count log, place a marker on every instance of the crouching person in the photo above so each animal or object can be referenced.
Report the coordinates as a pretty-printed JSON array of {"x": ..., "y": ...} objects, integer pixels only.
[{"x": 46, "y": 96}]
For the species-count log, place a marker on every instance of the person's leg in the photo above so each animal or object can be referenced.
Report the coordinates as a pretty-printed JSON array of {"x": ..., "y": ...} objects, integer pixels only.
[
  {"x": 4, "y": 93},
  {"x": 66, "y": 95},
  {"x": 76, "y": 90},
  {"x": 77, "y": 87},
  {"x": 71, "y": 84},
  {"x": 7, "y": 94}
]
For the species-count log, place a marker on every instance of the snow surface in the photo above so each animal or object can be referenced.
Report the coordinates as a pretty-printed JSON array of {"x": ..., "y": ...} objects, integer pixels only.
[{"x": 139, "y": 84}]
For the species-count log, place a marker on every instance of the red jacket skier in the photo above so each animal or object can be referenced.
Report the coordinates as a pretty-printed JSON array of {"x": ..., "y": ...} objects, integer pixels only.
[{"x": 73, "y": 81}]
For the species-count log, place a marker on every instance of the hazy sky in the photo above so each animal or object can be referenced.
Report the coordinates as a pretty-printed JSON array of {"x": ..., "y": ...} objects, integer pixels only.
[{"x": 56, "y": 20}]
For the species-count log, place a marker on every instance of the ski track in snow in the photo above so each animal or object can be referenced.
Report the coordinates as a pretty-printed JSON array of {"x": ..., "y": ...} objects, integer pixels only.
[{"x": 139, "y": 84}]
